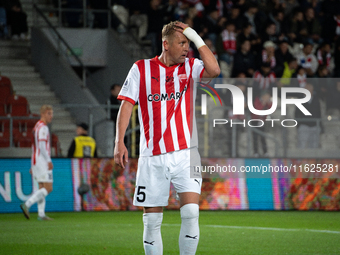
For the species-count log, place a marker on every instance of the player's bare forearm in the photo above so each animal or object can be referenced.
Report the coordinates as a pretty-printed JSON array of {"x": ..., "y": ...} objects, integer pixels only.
[
  {"x": 212, "y": 69},
  {"x": 123, "y": 118}
]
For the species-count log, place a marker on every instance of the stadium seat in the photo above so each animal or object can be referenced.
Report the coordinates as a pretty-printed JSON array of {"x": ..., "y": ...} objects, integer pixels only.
[
  {"x": 56, "y": 145},
  {"x": 2, "y": 109},
  {"x": 23, "y": 139},
  {"x": 5, "y": 81},
  {"x": 5, "y": 91},
  {"x": 4, "y": 139},
  {"x": 17, "y": 105}
]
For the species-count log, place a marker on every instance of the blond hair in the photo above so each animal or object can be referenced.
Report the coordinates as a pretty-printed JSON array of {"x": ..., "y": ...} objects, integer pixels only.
[
  {"x": 168, "y": 30},
  {"x": 45, "y": 108}
]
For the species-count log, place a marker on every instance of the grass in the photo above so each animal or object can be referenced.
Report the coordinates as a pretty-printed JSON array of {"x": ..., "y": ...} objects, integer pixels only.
[{"x": 221, "y": 232}]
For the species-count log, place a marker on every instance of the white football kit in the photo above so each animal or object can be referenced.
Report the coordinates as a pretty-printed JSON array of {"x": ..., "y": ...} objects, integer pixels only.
[
  {"x": 41, "y": 153},
  {"x": 168, "y": 135}
]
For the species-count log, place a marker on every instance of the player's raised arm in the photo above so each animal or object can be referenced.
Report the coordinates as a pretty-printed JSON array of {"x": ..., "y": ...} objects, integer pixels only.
[
  {"x": 123, "y": 118},
  {"x": 211, "y": 66}
]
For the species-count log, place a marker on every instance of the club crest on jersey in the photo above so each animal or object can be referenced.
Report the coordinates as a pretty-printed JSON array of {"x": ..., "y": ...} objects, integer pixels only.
[{"x": 166, "y": 96}]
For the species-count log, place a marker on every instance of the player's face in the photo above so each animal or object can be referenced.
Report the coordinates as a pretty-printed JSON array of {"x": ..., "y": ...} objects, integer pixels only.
[
  {"x": 178, "y": 48},
  {"x": 48, "y": 116}
]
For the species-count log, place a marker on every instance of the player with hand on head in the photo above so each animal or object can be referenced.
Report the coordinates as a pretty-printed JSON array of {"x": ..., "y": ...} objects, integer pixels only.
[
  {"x": 168, "y": 135},
  {"x": 41, "y": 164}
]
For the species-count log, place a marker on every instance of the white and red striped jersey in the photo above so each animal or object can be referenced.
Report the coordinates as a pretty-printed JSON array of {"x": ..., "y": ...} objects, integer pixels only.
[
  {"x": 41, "y": 133},
  {"x": 166, "y": 98},
  {"x": 264, "y": 82}
]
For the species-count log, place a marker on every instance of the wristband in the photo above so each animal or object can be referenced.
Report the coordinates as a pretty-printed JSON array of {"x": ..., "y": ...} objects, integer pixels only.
[{"x": 194, "y": 37}]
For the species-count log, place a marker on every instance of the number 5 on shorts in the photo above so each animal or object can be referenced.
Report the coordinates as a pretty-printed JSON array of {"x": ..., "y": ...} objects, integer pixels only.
[{"x": 140, "y": 194}]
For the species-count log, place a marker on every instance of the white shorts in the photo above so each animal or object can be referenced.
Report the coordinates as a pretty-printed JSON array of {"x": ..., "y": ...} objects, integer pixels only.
[
  {"x": 155, "y": 173},
  {"x": 42, "y": 174}
]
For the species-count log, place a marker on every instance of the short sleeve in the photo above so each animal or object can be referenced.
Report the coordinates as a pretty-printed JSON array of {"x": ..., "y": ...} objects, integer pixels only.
[
  {"x": 130, "y": 89},
  {"x": 43, "y": 133},
  {"x": 197, "y": 68}
]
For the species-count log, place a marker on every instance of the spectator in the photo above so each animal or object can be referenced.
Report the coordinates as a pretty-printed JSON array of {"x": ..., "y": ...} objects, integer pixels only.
[
  {"x": 309, "y": 131},
  {"x": 262, "y": 102},
  {"x": 290, "y": 68},
  {"x": 155, "y": 24},
  {"x": 211, "y": 47},
  {"x": 297, "y": 30},
  {"x": 282, "y": 55},
  {"x": 313, "y": 26},
  {"x": 277, "y": 17},
  {"x": 301, "y": 77},
  {"x": 82, "y": 146},
  {"x": 213, "y": 24},
  {"x": 226, "y": 44},
  {"x": 244, "y": 61},
  {"x": 264, "y": 79},
  {"x": 324, "y": 55},
  {"x": 324, "y": 83},
  {"x": 270, "y": 34},
  {"x": 250, "y": 17},
  {"x": 307, "y": 60},
  {"x": 268, "y": 54},
  {"x": 246, "y": 34},
  {"x": 115, "y": 89},
  {"x": 17, "y": 20},
  {"x": 236, "y": 18}
]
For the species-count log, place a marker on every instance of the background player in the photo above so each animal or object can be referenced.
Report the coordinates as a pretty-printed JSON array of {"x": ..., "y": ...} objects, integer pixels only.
[
  {"x": 41, "y": 164},
  {"x": 162, "y": 88}
]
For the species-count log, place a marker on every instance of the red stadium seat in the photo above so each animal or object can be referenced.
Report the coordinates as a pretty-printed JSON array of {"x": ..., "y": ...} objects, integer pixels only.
[
  {"x": 2, "y": 109},
  {"x": 56, "y": 145},
  {"x": 4, "y": 139},
  {"x": 5, "y": 81},
  {"x": 23, "y": 139},
  {"x": 5, "y": 91},
  {"x": 17, "y": 105},
  {"x": 4, "y": 125}
]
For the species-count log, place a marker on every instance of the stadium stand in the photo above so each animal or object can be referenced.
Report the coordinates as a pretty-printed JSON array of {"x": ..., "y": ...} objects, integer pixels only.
[{"x": 30, "y": 92}]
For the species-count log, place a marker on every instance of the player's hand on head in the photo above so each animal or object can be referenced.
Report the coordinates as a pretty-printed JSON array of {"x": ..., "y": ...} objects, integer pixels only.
[
  {"x": 120, "y": 154},
  {"x": 50, "y": 166},
  {"x": 180, "y": 26}
]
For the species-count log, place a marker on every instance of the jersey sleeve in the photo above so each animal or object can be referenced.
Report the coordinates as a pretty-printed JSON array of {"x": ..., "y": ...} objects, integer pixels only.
[
  {"x": 130, "y": 89},
  {"x": 197, "y": 68},
  {"x": 43, "y": 134}
]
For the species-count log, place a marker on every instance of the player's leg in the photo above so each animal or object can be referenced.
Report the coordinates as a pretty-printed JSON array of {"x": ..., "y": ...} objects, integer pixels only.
[
  {"x": 48, "y": 186},
  {"x": 152, "y": 237},
  {"x": 40, "y": 194},
  {"x": 152, "y": 192},
  {"x": 189, "y": 233},
  {"x": 188, "y": 188}
]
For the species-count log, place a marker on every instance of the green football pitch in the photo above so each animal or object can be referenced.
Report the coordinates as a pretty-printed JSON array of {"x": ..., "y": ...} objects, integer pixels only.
[{"x": 221, "y": 232}]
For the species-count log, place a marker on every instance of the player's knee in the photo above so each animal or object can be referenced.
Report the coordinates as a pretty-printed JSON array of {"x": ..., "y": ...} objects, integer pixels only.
[
  {"x": 49, "y": 188},
  {"x": 152, "y": 220},
  {"x": 189, "y": 211}
]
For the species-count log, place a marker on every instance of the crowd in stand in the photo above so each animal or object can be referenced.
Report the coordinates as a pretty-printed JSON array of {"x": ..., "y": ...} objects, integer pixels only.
[{"x": 269, "y": 40}]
